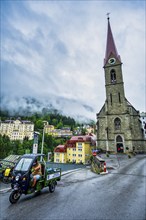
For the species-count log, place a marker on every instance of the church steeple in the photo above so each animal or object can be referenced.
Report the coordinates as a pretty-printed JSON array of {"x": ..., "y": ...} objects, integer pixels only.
[
  {"x": 118, "y": 124},
  {"x": 110, "y": 45},
  {"x": 115, "y": 95}
]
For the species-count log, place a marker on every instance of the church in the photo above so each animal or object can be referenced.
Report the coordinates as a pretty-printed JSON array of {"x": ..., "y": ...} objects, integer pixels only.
[{"x": 119, "y": 128}]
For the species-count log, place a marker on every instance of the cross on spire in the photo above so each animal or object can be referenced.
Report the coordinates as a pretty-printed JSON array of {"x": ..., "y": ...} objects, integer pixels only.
[{"x": 108, "y": 15}]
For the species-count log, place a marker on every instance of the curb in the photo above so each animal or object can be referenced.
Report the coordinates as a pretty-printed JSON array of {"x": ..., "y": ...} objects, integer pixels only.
[{"x": 103, "y": 173}]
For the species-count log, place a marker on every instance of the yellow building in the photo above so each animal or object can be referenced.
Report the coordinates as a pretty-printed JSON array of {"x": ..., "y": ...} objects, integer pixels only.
[
  {"x": 64, "y": 132},
  {"x": 78, "y": 150},
  {"x": 17, "y": 129},
  {"x": 60, "y": 155},
  {"x": 48, "y": 128}
]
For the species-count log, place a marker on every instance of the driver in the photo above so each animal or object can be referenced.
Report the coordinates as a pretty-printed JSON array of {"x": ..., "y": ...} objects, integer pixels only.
[{"x": 36, "y": 172}]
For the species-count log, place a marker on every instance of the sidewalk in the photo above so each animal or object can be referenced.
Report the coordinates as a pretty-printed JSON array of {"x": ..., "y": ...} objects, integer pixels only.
[{"x": 115, "y": 161}]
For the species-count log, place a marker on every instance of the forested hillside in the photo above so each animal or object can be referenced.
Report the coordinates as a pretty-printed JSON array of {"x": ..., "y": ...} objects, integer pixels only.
[{"x": 8, "y": 147}]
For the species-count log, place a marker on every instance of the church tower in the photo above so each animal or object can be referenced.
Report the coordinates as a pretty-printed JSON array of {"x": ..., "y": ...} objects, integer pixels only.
[{"x": 118, "y": 126}]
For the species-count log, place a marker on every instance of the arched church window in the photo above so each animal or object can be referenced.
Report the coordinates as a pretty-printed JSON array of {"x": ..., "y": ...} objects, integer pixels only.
[
  {"x": 113, "y": 76},
  {"x": 117, "y": 123},
  {"x": 119, "y": 139}
]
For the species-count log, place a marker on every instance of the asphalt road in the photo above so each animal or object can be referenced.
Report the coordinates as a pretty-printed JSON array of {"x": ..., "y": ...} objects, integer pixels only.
[{"x": 80, "y": 195}]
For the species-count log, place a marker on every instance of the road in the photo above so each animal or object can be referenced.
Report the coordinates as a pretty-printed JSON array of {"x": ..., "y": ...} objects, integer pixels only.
[{"x": 83, "y": 195}]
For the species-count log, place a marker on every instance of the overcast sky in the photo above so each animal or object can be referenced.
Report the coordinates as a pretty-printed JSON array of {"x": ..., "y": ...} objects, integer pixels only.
[{"x": 56, "y": 49}]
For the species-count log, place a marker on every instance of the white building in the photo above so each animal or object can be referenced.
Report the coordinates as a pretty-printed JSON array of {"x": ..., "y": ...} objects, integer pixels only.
[{"x": 17, "y": 129}]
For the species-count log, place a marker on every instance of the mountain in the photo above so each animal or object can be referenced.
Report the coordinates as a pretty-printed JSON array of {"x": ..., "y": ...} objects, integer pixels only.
[{"x": 27, "y": 106}]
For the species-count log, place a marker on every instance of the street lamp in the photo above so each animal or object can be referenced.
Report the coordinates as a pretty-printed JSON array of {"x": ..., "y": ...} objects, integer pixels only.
[{"x": 42, "y": 148}]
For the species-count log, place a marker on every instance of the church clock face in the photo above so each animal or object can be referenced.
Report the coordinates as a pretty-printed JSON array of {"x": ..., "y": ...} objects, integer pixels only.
[{"x": 111, "y": 60}]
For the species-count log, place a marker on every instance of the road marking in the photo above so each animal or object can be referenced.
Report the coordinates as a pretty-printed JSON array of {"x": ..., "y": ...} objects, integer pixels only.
[{"x": 5, "y": 190}]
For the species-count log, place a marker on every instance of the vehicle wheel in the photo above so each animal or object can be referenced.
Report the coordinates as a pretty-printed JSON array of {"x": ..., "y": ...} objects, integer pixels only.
[
  {"x": 6, "y": 180},
  {"x": 52, "y": 187},
  {"x": 14, "y": 196}
]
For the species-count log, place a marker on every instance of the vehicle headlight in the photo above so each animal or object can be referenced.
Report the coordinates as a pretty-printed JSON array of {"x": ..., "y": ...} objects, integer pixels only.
[{"x": 17, "y": 178}]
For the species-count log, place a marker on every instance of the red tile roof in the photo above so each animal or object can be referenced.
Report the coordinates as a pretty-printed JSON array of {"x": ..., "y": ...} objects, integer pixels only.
[
  {"x": 83, "y": 138},
  {"x": 60, "y": 149},
  {"x": 72, "y": 143}
]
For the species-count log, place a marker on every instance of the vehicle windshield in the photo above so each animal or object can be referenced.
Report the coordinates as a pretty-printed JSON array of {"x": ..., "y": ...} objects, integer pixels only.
[{"x": 23, "y": 164}]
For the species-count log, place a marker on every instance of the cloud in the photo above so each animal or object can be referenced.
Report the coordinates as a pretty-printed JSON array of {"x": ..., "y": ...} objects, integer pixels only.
[{"x": 56, "y": 49}]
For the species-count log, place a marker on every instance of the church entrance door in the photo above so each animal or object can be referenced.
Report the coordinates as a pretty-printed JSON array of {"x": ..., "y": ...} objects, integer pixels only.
[{"x": 119, "y": 144}]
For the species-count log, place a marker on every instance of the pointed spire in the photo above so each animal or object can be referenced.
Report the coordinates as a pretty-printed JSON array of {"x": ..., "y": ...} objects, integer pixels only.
[{"x": 110, "y": 45}]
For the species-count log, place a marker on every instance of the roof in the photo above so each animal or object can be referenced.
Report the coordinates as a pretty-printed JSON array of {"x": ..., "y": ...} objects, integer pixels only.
[
  {"x": 9, "y": 121},
  {"x": 60, "y": 149},
  {"x": 110, "y": 45},
  {"x": 32, "y": 155},
  {"x": 11, "y": 158},
  {"x": 82, "y": 138}
]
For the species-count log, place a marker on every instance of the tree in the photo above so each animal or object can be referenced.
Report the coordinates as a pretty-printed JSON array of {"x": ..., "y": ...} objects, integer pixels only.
[
  {"x": 49, "y": 140},
  {"x": 5, "y": 146},
  {"x": 20, "y": 150},
  {"x": 60, "y": 124},
  {"x": 54, "y": 122},
  {"x": 39, "y": 124}
]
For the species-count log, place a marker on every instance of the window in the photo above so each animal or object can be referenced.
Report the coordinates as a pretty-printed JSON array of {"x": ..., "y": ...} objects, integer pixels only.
[
  {"x": 117, "y": 124},
  {"x": 111, "y": 98},
  {"x": 113, "y": 76},
  {"x": 79, "y": 145},
  {"x": 79, "y": 155},
  {"x": 74, "y": 155},
  {"x": 119, "y": 97},
  {"x": 79, "y": 149},
  {"x": 23, "y": 164}
]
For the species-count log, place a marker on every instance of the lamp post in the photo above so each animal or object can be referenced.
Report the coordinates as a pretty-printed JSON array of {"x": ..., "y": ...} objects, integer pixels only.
[{"x": 42, "y": 148}]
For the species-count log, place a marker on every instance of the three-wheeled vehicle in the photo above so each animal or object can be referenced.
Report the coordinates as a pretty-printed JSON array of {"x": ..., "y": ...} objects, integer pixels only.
[
  {"x": 6, "y": 169},
  {"x": 22, "y": 178}
]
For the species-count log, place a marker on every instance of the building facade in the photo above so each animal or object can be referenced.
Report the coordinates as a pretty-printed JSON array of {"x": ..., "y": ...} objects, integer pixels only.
[
  {"x": 60, "y": 154},
  {"x": 64, "y": 132},
  {"x": 119, "y": 128},
  {"x": 48, "y": 128},
  {"x": 76, "y": 150},
  {"x": 17, "y": 129}
]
